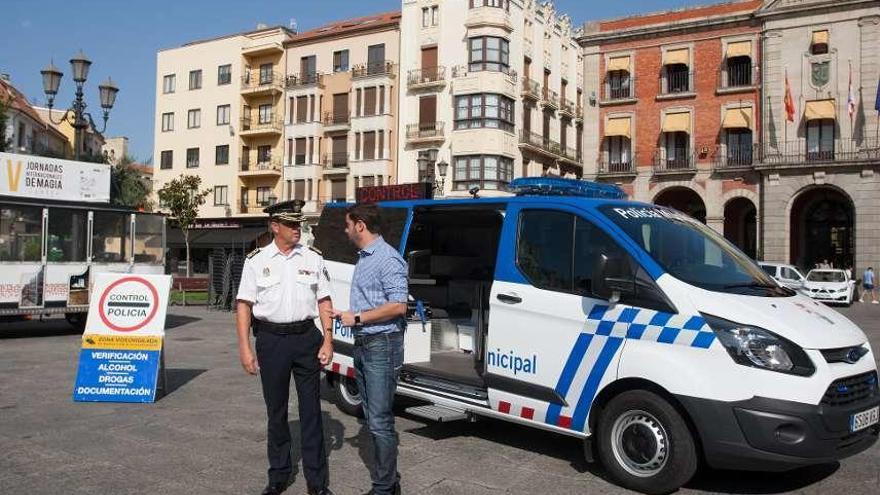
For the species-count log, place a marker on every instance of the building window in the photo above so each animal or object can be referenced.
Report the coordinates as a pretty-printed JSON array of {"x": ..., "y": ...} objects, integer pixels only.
[
  {"x": 266, "y": 75},
  {"x": 819, "y": 43},
  {"x": 264, "y": 154},
  {"x": 169, "y": 83},
  {"x": 223, "y": 114},
  {"x": 488, "y": 172},
  {"x": 263, "y": 193},
  {"x": 739, "y": 72},
  {"x": 265, "y": 114},
  {"x": 676, "y": 145},
  {"x": 167, "y": 160},
  {"x": 619, "y": 85},
  {"x": 739, "y": 146},
  {"x": 430, "y": 16},
  {"x": 221, "y": 155},
  {"x": 501, "y": 4},
  {"x": 677, "y": 78},
  {"x": 299, "y": 157},
  {"x": 340, "y": 61},
  {"x": 168, "y": 122},
  {"x": 221, "y": 195},
  {"x": 192, "y": 157},
  {"x": 489, "y": 53},
  {"x": 619, "y": 153},
  {"x": 224, "y": 74},
  {"x": 195, "y": 79},
  {"x": 484, "y": 110},
  {"x": 194, "y": 119},
  {"x": 820, "y": 139}
]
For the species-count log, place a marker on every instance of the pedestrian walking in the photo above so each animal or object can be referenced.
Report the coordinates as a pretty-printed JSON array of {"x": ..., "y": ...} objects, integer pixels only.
[
  {"x": 285, "y": 286},
  {"x": 379, "y": 292},
  {"x": 868, "y": 286}
]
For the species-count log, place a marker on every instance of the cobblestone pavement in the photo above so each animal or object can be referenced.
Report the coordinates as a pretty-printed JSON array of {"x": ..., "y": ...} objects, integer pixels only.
[{"x": 207, "y": 435}]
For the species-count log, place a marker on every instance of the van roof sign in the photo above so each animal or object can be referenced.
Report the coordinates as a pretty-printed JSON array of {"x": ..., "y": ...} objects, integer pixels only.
[
  {"x": 398, "y": 192},
  {"x": 553, "y": 186}
]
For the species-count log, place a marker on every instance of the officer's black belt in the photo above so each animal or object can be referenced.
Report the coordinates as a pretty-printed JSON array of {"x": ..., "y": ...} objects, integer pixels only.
[{"x": 283, "y": 328}]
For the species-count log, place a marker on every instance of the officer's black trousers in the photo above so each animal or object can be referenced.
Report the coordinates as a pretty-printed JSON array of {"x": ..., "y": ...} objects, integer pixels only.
[{"x": 280, "y": 356}]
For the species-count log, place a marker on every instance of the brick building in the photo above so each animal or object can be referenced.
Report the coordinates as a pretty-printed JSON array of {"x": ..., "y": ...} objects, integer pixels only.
[{"x": 674, "y": 110}]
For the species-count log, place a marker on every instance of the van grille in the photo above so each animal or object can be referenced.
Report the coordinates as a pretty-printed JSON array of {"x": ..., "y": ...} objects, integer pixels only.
[{"x": 852, "y": 389}]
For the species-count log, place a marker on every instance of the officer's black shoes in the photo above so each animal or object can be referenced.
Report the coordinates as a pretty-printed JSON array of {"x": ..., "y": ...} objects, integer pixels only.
[
  {"x": 320, "y": 491},
  {"x": 396, "y": 490},
  {"x": 275, "y": 488}
]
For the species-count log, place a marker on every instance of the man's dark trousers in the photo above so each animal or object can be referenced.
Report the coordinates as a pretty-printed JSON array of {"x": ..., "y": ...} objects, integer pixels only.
[{"x": 279, "y": 356}]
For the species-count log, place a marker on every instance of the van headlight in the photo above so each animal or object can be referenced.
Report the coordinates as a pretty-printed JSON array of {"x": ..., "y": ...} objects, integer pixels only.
[{"x": 759, "y": 348}]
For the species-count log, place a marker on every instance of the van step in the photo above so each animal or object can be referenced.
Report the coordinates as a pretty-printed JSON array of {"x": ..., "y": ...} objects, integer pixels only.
[{"x": 437, "y": 413}]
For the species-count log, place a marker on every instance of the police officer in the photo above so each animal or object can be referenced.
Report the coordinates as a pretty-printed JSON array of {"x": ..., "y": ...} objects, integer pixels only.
[{"x": 285, "y": 287}]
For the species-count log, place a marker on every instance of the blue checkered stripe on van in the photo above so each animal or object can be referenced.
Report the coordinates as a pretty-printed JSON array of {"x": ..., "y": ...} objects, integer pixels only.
[{"x": 654, "y": 326}]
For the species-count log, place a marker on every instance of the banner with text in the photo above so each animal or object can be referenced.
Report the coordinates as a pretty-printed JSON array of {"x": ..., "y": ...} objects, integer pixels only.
[{"x": 30, "y": 176}]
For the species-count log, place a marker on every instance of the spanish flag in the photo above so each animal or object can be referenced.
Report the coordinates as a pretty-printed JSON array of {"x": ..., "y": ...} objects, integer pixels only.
[{"x": 789, "y": 101}]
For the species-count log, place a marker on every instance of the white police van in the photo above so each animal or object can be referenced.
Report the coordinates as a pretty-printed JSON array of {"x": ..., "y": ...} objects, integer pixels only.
[{"x": 628, "y": 325}]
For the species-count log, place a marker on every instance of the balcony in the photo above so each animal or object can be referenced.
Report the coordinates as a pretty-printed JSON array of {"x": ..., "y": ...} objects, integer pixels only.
[
  {"x": 676, "y": 84},
  {"x": 261, "y": 83},
  {"x": 488, "y": 17},
  {"x": 737, "y": 77},
  {"x": 550, "y": 99},
  {"x": 261, "y": 49},
  {"x": 249, "y": 167},
  {"x": 531, "y": 89},
  {"x": 337, "y": 122},
  {"x": 836, "y": 152},
  {"x": 427, "y": 78},
  {"x": 618, "y": 91},
  {"x": 378, "y": 69},
  {"x": 547, "y": 147},
  {"x": 425, "y": 132},
  {"x": 484, "y": 78},
  {"x": 619, "y": 166},
  {"x": 674, "y": 161},
  {"x": 301, "y": 81},
  {"x": 735, "y": 157},
  {"x": 261, "y": 127},
  {"x": 566, "y": 107},
  {"x": 253, "y": 208},
  {"x": 336, "y": 163}
]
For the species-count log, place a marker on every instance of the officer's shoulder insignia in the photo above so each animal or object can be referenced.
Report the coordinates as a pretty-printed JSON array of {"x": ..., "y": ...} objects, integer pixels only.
[
  {"x": 253, "y": 253},
  {"x": 313, "y": 248}
]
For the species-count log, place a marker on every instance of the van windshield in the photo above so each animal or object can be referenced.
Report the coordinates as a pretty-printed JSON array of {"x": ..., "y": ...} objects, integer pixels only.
[{"x": 692, "y": 252}]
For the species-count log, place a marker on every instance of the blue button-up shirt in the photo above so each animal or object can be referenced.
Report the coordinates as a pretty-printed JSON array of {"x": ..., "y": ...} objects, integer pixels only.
[{"x": 380, "y": 277}]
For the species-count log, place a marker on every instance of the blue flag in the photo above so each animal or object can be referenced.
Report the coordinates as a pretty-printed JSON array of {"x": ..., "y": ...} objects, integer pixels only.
[{"x": 877, "y": 103}]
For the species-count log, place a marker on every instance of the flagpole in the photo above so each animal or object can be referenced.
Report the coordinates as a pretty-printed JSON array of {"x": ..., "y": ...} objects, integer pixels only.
[{"x": 785, "y": 109}]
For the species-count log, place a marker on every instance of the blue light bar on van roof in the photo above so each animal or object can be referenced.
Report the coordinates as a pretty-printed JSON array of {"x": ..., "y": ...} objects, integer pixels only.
[{"x": 554, "y": 186}]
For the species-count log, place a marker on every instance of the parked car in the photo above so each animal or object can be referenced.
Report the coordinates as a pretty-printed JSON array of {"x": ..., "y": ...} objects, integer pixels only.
[
  {"x": 830, "y": 285},
  {"x": 787, "y": 275}
]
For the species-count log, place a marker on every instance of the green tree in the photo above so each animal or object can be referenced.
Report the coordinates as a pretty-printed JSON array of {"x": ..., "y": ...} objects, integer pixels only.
[
  {"x": 181, "y": 198},
  {"x": 127, "y": 187}
]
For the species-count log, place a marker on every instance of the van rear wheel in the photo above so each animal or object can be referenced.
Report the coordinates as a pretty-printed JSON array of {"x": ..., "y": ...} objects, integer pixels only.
[
  {"x": 645, "y": 444},
  {"x": 348, "y": 396}
]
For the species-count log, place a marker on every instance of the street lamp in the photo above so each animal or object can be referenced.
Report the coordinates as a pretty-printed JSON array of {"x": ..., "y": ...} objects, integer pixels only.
[
  {"x": 76, "y": 115},
  {"x": 426, "y": 171}
]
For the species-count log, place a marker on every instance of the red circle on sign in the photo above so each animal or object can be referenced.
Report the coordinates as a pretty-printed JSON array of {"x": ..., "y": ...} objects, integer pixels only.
[{"x": 134, "y": 327}]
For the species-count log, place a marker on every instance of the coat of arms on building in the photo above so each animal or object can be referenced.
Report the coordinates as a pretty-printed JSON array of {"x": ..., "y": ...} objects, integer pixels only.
[{"x": 820, "y": 73}]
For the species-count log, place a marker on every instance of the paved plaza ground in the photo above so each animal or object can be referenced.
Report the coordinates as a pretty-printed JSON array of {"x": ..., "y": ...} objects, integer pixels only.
[{"x": 207, "y": 436}]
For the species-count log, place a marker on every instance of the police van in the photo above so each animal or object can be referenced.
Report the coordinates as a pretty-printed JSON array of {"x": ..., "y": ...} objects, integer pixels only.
[{"x": 630, "y": 326}]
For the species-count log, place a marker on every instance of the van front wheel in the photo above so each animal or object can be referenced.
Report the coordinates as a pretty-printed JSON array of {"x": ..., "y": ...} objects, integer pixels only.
[
  {"x": 348, "y": 396},
  {"x": 645, "y": 444}
]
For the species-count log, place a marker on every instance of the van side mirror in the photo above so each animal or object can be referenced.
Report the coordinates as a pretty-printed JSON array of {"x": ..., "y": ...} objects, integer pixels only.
[{"x": 614, "y": 277}]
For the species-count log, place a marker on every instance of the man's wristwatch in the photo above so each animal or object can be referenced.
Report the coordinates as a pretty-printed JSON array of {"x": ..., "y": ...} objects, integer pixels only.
[{"x": 357, "y": 319}]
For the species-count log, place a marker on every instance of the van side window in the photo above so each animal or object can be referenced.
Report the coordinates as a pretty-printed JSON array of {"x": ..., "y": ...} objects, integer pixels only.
[
  {"x": 330, "y": 235},
  {"x": 545, "y": 249},
  {"x": 591, "y": 245}
]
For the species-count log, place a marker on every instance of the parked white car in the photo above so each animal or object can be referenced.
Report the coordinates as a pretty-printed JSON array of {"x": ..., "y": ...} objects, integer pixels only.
[
  {"x": 830, "y": 285},
  {"x": 787, "y": 275}
]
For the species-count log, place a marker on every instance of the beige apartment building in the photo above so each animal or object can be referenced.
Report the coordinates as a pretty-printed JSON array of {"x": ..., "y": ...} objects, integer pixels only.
[
  {"x": 341, "y": 96},
  {"x": 219, "y": 115},
  {"x": 493, "y": 92}
]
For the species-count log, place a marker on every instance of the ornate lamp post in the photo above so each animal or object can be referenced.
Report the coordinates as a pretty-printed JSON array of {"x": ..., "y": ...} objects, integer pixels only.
[
  {"x": 426, "y": 164},
  {"x": 76, "y": 115}
]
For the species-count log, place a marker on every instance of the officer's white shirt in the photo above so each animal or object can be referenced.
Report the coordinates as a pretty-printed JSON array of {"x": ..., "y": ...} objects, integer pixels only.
[{"x": 284, "y": 288}]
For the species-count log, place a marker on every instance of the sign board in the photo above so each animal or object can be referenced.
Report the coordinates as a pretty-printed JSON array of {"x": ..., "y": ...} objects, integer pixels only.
[
  {"x": 399, "y": 192},
  {"x": 123, "y": 341},
  {"x": 29, "y": 176}
]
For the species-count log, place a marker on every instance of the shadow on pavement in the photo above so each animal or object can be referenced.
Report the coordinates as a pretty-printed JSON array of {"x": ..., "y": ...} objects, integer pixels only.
[
  {"x": 760, "y": 483},
  {"x": 179, "y": 377},
  {"x": 334, "y": 435},
  {"x": 174, "y": 321},
  {"x": 49, "y": 327}
]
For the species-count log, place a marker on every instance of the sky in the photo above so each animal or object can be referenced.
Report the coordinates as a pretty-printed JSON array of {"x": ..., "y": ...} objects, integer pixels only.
[{"x": 122, "y": 38}]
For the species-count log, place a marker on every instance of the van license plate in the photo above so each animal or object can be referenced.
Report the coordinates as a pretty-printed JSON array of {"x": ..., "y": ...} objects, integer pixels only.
[{"x": 864, "y": 419}]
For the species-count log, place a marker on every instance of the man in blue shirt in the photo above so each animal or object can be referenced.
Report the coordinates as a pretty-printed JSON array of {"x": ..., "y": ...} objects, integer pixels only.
[
  {"x": 379, "y": 292},
  {"x": 868, "y": 285}
]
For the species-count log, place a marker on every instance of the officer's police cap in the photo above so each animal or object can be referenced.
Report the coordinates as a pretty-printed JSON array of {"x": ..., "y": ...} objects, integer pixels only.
[{"x": 286, "y": 211}]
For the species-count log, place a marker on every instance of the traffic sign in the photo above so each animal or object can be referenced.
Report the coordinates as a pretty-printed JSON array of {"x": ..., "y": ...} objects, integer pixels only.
[{"x": 128, "y": 303}]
